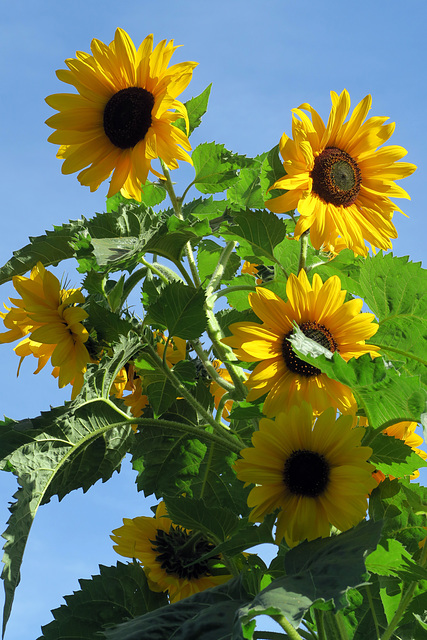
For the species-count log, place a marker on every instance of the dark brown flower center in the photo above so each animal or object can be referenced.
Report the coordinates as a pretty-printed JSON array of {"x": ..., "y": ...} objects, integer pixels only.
[
  {"x": 127, "y": 116},
  {"x": 317, "y": 332},
  {"x": 306, "y": 473},
  {"x": 336, "y": 177},
  {"x": 177, "y": 550}
]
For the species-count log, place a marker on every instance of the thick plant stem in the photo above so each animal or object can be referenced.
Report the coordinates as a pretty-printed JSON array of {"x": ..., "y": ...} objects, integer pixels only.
[
  {"x": 291, "y": 632},
  {"x": 177, "y": 207},
  {"x": 154, "y": 269},
  {"x": 220, "y": 268},
  {"x": 183, "y": 391},
  {"x": 303, "y": 252},
  {"x": 334, "y": 626},
  {"x": 405, "y": 600},
  {"x": 210, "y": 368},
  {"x": 318, "y": 616},
  {"x": 372, "y": 608}
]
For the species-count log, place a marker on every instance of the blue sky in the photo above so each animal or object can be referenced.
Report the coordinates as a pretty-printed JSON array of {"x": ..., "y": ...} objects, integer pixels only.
[{"x": 263, "y": 59}]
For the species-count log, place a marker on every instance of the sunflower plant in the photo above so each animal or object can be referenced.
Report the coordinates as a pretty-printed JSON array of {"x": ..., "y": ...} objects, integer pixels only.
[{"x": 264, "y": 368}]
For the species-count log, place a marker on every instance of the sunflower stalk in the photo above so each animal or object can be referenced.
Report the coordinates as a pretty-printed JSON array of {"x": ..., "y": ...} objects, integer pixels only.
[
  {"x": 220, "y": 428},
  {"x": 405, "y": 600},
  {"x": 177, "y": 207},
  {"x": 210, "y": 368},
  {"x": 291, "y": 632}
]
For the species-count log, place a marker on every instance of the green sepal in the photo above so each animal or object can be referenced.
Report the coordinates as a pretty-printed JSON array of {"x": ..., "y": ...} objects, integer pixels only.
[{"x": 196, "y": 108}]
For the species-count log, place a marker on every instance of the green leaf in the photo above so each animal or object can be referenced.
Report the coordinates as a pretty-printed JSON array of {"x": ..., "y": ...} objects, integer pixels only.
[
  {"x": 393, "y": 457},
  {"x": 401, "y": 505},
  {"x": 216, "y": 522},
  {"x": 109, "y": 326},
  {"x": 388, "y": 559},
  {"x": 115, "y": 595},
  {"x": 71, "y": 447},
  {"x": 209, "y": 615},
  {"x": 196, "y": 108},
  {"x": 167, "y": 460},
  {"x": 151, "y": 194},
  {"x": 49, "y": 249},
  {"x": 324, "y": 568},
  {"x": 396, "y": 291},
  {"x": 258, "y": 233},
  {"x": 180, "y": 309},
  {"x": 385, "y": 395},
  {"x": 247, "y": 192},
  {"x": 215, "y": 168},
  {"x": 272, "y": 170},
  {"x": 346, "y": 265}
]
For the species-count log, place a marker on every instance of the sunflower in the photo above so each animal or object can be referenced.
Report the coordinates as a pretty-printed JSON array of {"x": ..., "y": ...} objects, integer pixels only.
[
  {"x": 128, "y": 380},
  {"x": 176, "y": 348},
  {"x": 322, "y": 315},
  {"x": 167, "y": 553},
  {"x": 404, "y": 431},
  {"x": 339, "y": 179},
  {"x": 51, "y": 319},
  {"x": 316, "y": 474},
  {"x": 121, "y": 118}
]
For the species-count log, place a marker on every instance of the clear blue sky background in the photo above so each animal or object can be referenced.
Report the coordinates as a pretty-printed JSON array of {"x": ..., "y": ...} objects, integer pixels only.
[{"x": 263, "y": 59}]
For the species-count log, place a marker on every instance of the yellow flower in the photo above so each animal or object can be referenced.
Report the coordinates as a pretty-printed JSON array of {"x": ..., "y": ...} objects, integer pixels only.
[
  {"x": 128, "y": 380},
  {"x": 52, "y": 319},
  {"x": 121, "y": 118},
  {"x": 322, "y": 315},
  {"x": 404, "y": 431},
  {"x": 337, "y": 177},
  {"x": 316, "y": 474},
  {"x": 165, "y": 550}
]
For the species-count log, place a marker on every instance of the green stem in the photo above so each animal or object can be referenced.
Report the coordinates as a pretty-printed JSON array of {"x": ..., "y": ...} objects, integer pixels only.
[
  {"x": 225, "y": 353},
  {"x": 334, "y": 626},
  {"x": 220, "y": 407},
  {"x": 303, "y": 252},
  {"x": 183, "y": 391},
  {"x": 177, "y": 207},
  {"x": 220, "y": 268},
  {"x": 405, "y": 600},
  {"x": 154, "y": 269},
  {"x": 227, "y": 290},
  {"x": 412, "y": 356},
  {"x": 372, "y": 608},
  {"x": 292, "y": 633},
  {"x": 318, "y": 616},
  {"x": 210, "y": 368},
  {"x": 197, "y": 432},
  {"x": 208, "y": 467}
]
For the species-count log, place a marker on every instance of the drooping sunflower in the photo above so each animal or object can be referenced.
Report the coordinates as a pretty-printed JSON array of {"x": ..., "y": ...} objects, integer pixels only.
[
  {"x": 322, "y": 315},
  {"x": 337, "y": 177},
  {"x": 51, "y": 319},
  {"x": 122, "y": 117},
  {"x": 167, "y": 553},
  {"x": 316, "y": 474},
  {"x": 404, "y": 431}
]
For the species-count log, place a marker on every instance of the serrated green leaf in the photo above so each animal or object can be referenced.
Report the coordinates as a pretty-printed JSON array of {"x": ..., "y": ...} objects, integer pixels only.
[
  {"x": 215, "y": 168},
  {"x": 388, "y": 558},
  {"x": 216, "y": 522},
  {"x": 258, "y": 233},
  {"x": 247, "y": 192},
  {"x": 71, "y": 447},
  {"x": 324, "y": 568},
  {"x": 209, "y": 615},
  {"x": 115, "y": 595},
  {"x": 196, "y": 108},
  {"x": 239, "y": 299},
  {"x": 180, "y": 309},
  {"x": 393, "y": 457},
  {"x": 167, "y": 460},
  {"x": 400, "y": 504},
  {"x": 272, "y": 169},
  {"x": 396, "y": 291},
  {"x": 385, "y": 395},
  {"x": 49, "y": 249}
]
